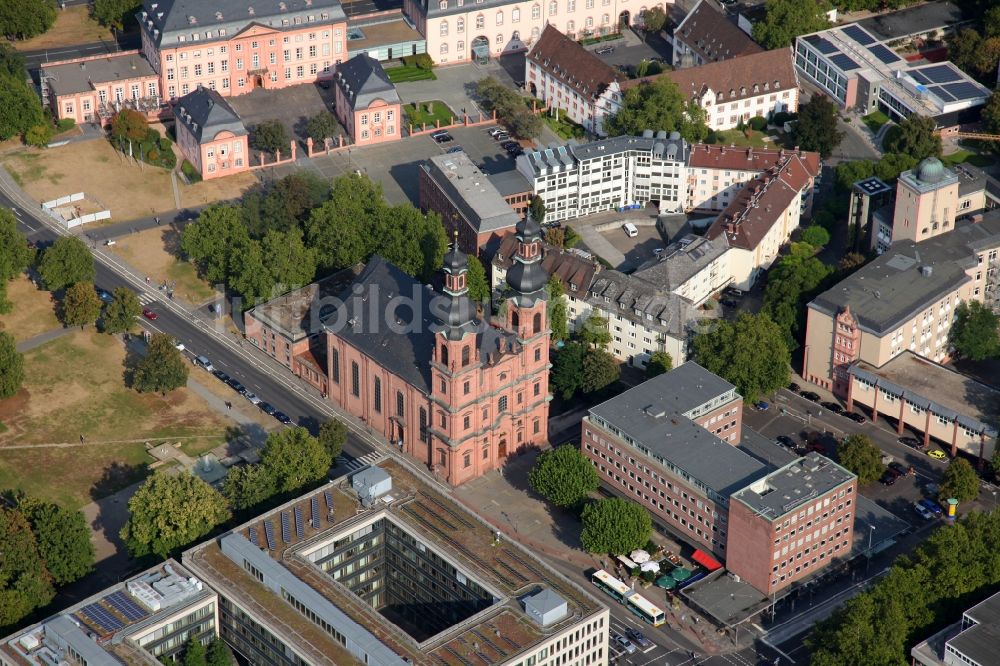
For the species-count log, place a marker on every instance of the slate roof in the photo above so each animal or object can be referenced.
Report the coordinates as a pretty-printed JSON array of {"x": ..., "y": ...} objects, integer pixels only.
[
  {"x": 574, "y": 271},
  {"x": 567, "y": 61},
  {"x": 166, "y": 21},
  {"x": 658, "y": 309},
  {"x": 205, "y": 113},
  {"x": 710, "y": 34},
  {"x": 682, "y": 260},
  {"x": 72, "y": 78},
  {"x": 362, "y": 81}
]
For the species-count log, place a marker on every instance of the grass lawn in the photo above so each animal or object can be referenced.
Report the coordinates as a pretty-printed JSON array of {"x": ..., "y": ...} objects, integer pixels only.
[
  {"x": 747, "y": 138},
  {"x": 962, "y": 156},
  {"x": 409, "y": 73},
  {"x": 73, "y": 26},
  {"x": 563, "y": 126},
  {"x": 875, "y": 120},
  {"x": 154, "y": 252},
  {"x": 74, "y": 386},
  {"x": 34, "y": 312},
  {"x": 417, "y": 113}
]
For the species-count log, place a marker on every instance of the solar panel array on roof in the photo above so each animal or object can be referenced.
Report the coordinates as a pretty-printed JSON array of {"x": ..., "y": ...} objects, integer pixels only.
[
  {"x": 286, "y": 530},
  {"x": 253, "y": 536},
  {"x": 858, "y": 34},
  {"x": 939, "y": 74},
  {"x": 300, "y": 530},
  {"x": 884, "y": 54},
  {"x": 121, "y": 602},
  {"x": 942, "y": 93},
  {"x": 314, "y": 509},
  {"x": 822, "y": 45},
  {"x": 101, "y": 618},
  {"x": 329, "y": 500},
  {"x": 843, "y": 62},
  {"x": 963, "y": 90},
  {"x": 269, "y": 534}
]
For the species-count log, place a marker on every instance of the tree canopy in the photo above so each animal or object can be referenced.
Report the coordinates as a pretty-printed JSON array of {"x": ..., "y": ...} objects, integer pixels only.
[
  {"x": 784, "y": 20},
  {"x": 859, "y": 454},
  {"x": 537, "y": 209},
  {"x": 115, "y": 13},
  {"x": 322, "y": 126},
  {"x": 510, "y": 107},
  {"x": 658, "y": 105},
  {"x": 654, "y": 19},
  {"x": 557, "y": 309},
  {"x": 170, "y": 511},
  {"x": 294, "y": 459},
  {"x": 63, "y": 538},
  {"x": 332, "y": 437},
  {"x": 475, "y": 280},
  {"x": 600, "y": 370},
  {"x": 162, "y": 369},
  {"x": 24, "y": 19},
  {"x": 25, "y": 583},
  {"x": 67, "y": 261},
  {"x": 794, "y": 279},
  {"x": 121, "y": 312},
  {"x": 247, "y": 486},
  {"x": 20, "y": 106},
  {"x": 659, "y": 363},
  {"x": 270, "y": 136},
  {"x": 81, "y": 305},
  {"x": 563, "y": 476},
  {"x": 815, "y": 235},
  {"x": 567, "y": 370},
  {"x": 15, "y": 255},
  {"x": 887, "y": 168},
  {"x": 615, "y": 526},
  {"x": 974, "y": 332},
  {"x": 913, "y": 136},
  {"x": 750, "y": 353},
  {"x": 816, "y": 127},
  {"x": 11, "y": 366},
  {"x": 594, "y": 331},
  {"x": 959, "y": 481}
]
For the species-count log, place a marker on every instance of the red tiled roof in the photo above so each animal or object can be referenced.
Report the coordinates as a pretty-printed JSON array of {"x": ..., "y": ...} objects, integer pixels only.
[
  {"x": 712, "y": 36},
  {"x": 752, "y": 213},
  {"x": 570, "y": 268},
  {"x": 705, "y": 156},
  {"x": 564, "y": 59}
]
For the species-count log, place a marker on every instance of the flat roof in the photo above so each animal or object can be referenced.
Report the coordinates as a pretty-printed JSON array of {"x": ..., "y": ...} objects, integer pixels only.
[
  {"x": 914, "y": 20},
  {"x": 500, "y": 632},
  {"x": 472, "y": 192},
  {"x": 727, "y": 601},
  {"x": 940, "y": 390},
  {"x": 764, "y": 449},
  {"x": 296, "y": 314},
  {"x": 78, "y": 77},
  {"x": 872, "y": 186},
  {"x": 650, "y": 417},
  {"x": 381, "y": 34},
  {"x": 979, "y": 643},
  {"x": 785, "y": 490},
  {"x": 892, "y": 289}
]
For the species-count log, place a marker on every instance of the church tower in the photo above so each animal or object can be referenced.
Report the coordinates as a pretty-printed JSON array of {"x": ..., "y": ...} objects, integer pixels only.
[{"x": 526, "y": 307}]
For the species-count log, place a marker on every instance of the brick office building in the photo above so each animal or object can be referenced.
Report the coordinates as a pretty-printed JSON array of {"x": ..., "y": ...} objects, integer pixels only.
[{"x": 670, "y": 444}]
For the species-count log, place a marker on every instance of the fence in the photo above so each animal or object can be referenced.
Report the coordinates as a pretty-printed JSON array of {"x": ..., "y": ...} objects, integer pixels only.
[
  {"x": 90, "y": 217},
  {"x": 62, "y": 201}
]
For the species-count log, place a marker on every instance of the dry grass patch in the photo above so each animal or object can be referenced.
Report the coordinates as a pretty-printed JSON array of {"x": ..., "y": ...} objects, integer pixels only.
[
  {"x": 74, "y": 387},
  {"x": 155, "y": 252},
  {"x": 34, "y": 311},
  {"x": 222, "y": 391},
  {"x": 229, "y": 188},
  {"x": 73, "y": 26}
]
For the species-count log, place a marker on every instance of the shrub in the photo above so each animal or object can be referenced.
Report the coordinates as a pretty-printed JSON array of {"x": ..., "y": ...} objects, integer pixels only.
[
  {"x": 164, "y": 143},
  {"x": 38, "y": 135},
  {"x": 420, "y": 61},
  {"x": 66, "y": 124},
  {"x": 782, "y": 117},
  {"x": 168, "y": 160},
  {"x": 152, "y": 136},
  {"x": 152, "y": 155},
  {"x": 189, "y": 171},
  {"x": 758, "y": 123}
]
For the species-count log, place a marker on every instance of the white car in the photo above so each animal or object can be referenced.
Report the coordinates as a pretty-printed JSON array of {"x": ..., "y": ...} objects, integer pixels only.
[
  {"x": 623, "y": 643},
  {"x": 252, "y": 397},
  {"x": 630, "y": 230},
  {"x": 179, "y": 345}
]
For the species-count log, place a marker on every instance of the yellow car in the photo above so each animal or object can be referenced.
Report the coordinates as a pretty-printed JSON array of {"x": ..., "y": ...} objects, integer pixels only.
[{"x": 937, "y": 454}]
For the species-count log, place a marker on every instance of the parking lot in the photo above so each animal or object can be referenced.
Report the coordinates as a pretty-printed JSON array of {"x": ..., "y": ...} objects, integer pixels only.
[{"x": 292, "y": 107}]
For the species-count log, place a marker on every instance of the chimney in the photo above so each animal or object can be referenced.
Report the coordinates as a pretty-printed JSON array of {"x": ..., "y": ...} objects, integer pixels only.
[{"x": 731, "y": 228}]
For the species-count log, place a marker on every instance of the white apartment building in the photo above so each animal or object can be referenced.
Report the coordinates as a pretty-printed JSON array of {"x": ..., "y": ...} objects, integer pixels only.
[{"x": 575, "y": 180}]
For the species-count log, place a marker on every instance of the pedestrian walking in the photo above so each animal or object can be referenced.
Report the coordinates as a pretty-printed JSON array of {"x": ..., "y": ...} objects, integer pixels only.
[
  {"x": 81, "y": 438},
  {"x": 229, "y": 405}
]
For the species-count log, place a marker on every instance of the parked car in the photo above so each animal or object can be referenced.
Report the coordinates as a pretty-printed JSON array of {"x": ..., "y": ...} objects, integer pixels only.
[
  {"x": 931, "y": 506},
  {"x": 507, "y": 145},
  {"x": 786, "y": 441},
  {"x": 219, "y": 374},
  {"x": 204, "y": 362},
  {"x": 888, "y": 478},
  {"x": 923, "y": 511},
  {"x": 493, "y": 131},
  {"x": 605, "y": 50},
  {"x": 638, "y": 638},
  {"x": 252, "y": 397},
  {"x": 911, "y": 441},
  {"x": 937, "y": 454},
  {"x": 762, "y": 406},
  {"x": 149, "y": 314},
  {"x": 443, "y": 138},
  {"x": 730, "y": 302},
  {"x": 501, "y": 137},
  {"x": 833, "y": 407},
  {"x": 899, "y": 468},
  {"x": 630, "y": 230},
  {"x": 854, "y": 416},
  {"x": 794, "y": 388},
  {"x": 178, "y": 345},
  {"x": 623, "y": 642},
  {"x": 809, "y": 395},
  {"x": 267, "y": 408},
  {"x": 733, "y": 291},
  {"x": 818, "y": 447},
  {"x": 104, "y": 295},
  {"x": 515, "y": 150},
  {"x": 282, "y": 417},
  {"x": 455, "y": 149},
  {"x": 236, "y": 386}
]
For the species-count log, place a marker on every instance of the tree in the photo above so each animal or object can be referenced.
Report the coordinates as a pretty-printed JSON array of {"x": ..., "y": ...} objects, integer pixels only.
[
  {"x": 750, "y": 353},
  {"x": 121, "y": 312},
  {"x": 25, "y": 583},
  {"x": 339, "y": 230},
  {"x": 81, "y": 305},
  {"x": 414, "y": 242},
  {"x": 537, "y": 209},
  {"x": 250, "y": 277},
  {"x": 210, "y": 242},
  {"x": 162, "y": 369},
  {"x": 995, "y": 460},
  {"x": 39, "y": 135},
  {"x": 20, "y": 107},
  {"x": 247, "y": 486},
  {"x": 170, "y": 511},
  {"x": 15, "y": 255},
  {"x": 567, "y": 370},
  {"x": 218, "y": 653},
  {"x": 816, "y": 128},
  {"x": 523, "y": 124},
  {"x": 851, "y": 172},
  {"x": 860, "y": 455},
  {"x": 787, "y": 19},
  {"x": 475, "y": 280},
  {"x": 614, "y": 525},
  {"x": 194, "y": 653},
  {"x": 990, "y": 113},
  {"x": 658, "y": 105},
  {"x": 964, "y": 49},
  {"x": 653, "y": 20},
  {"x": 914, "y": 136},
  {"x": 11, "y": 366},
  {"x": 851, "y": 261},
  {"x": 815, "y": 235},
  {"x": 959, "y": 481},
  {"x": 974, "y": 333},
  {"x": 270, "y": 136},
  {"x": 991, "y": 21},
  {"x": 63, "y": 538},
  {"x": 659, "y": 363},
  {"x": 289, "y": 262},
  {"x": 129, "y": 126},
  {"x": 24, "y": 19},
  {"x": 332, "y": 437},
  {"x": 294, "y": 459},
  {"x": 322, "y": 126},
  {"x": 594, "y": 331},
  {"x": 67, "y": 261},
  {"x": 115, "y": 13},
  {"x": 600, "y": 370},
  {"x": 563, "y": 476},
  {"x": 557, "y": 309}
]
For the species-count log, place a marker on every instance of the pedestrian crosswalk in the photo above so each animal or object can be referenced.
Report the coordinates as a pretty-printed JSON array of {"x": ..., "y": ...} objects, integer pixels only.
[
  {"x": 146, "y": 298},
  {"x": 352, "y": 464}
]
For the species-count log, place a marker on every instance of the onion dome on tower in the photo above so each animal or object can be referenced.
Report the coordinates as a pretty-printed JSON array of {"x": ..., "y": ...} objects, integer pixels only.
[
  {"x": 526, "y": 277},
  {"x": 456, "y": 311}
]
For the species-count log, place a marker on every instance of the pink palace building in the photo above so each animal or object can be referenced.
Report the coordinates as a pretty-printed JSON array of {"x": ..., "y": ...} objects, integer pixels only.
[
  {"x": 211, "y": 134},
  {"x": 366, "y": 102}
]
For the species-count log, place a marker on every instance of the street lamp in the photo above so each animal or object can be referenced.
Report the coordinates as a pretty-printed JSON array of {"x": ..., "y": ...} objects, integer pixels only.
[{"x": 871, "y": 533}]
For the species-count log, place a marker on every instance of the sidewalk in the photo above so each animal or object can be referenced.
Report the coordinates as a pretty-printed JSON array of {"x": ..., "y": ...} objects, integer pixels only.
[{"x": 42, "y": 338}]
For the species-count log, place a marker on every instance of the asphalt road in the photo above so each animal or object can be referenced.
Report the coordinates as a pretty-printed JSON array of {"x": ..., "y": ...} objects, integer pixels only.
[
  {"x": 202, "y": 335},
  {"x": 35, "y": 59}
]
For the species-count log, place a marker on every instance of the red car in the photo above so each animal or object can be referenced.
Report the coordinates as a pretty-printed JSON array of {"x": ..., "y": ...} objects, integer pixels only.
[{"x": 149, "y": 314}]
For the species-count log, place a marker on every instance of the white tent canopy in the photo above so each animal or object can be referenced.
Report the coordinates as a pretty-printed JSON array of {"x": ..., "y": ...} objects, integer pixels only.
[{"x": 639, "y": 556}]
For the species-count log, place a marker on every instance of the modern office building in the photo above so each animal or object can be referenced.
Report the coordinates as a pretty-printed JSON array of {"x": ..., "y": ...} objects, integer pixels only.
[
  {"x": 211, "y": 134},
  {"x": 382, "y": 569},
  {"x": 972, "y": 641},
  {"x": 670, "y": 444},
  {"x": 366, "y": 102},
  {"x": 580, "y": 179},
  {"x": 706, "y": 35},
  {"x": 861, "y": 72},
  {"x": 469, "y": 204},
  {"x": 903, "y": 300},
  {"x": 868, "y": 197},
  {"x": 142, "y": 620}
]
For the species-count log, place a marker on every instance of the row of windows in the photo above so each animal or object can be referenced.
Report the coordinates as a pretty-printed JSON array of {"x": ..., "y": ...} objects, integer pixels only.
[{"x": 222, "y": 32}]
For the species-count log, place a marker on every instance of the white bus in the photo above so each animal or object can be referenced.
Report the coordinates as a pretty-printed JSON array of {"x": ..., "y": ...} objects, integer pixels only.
[
  {"x": 611, "y": 585},
  {"x": 640, "y": 606}
]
